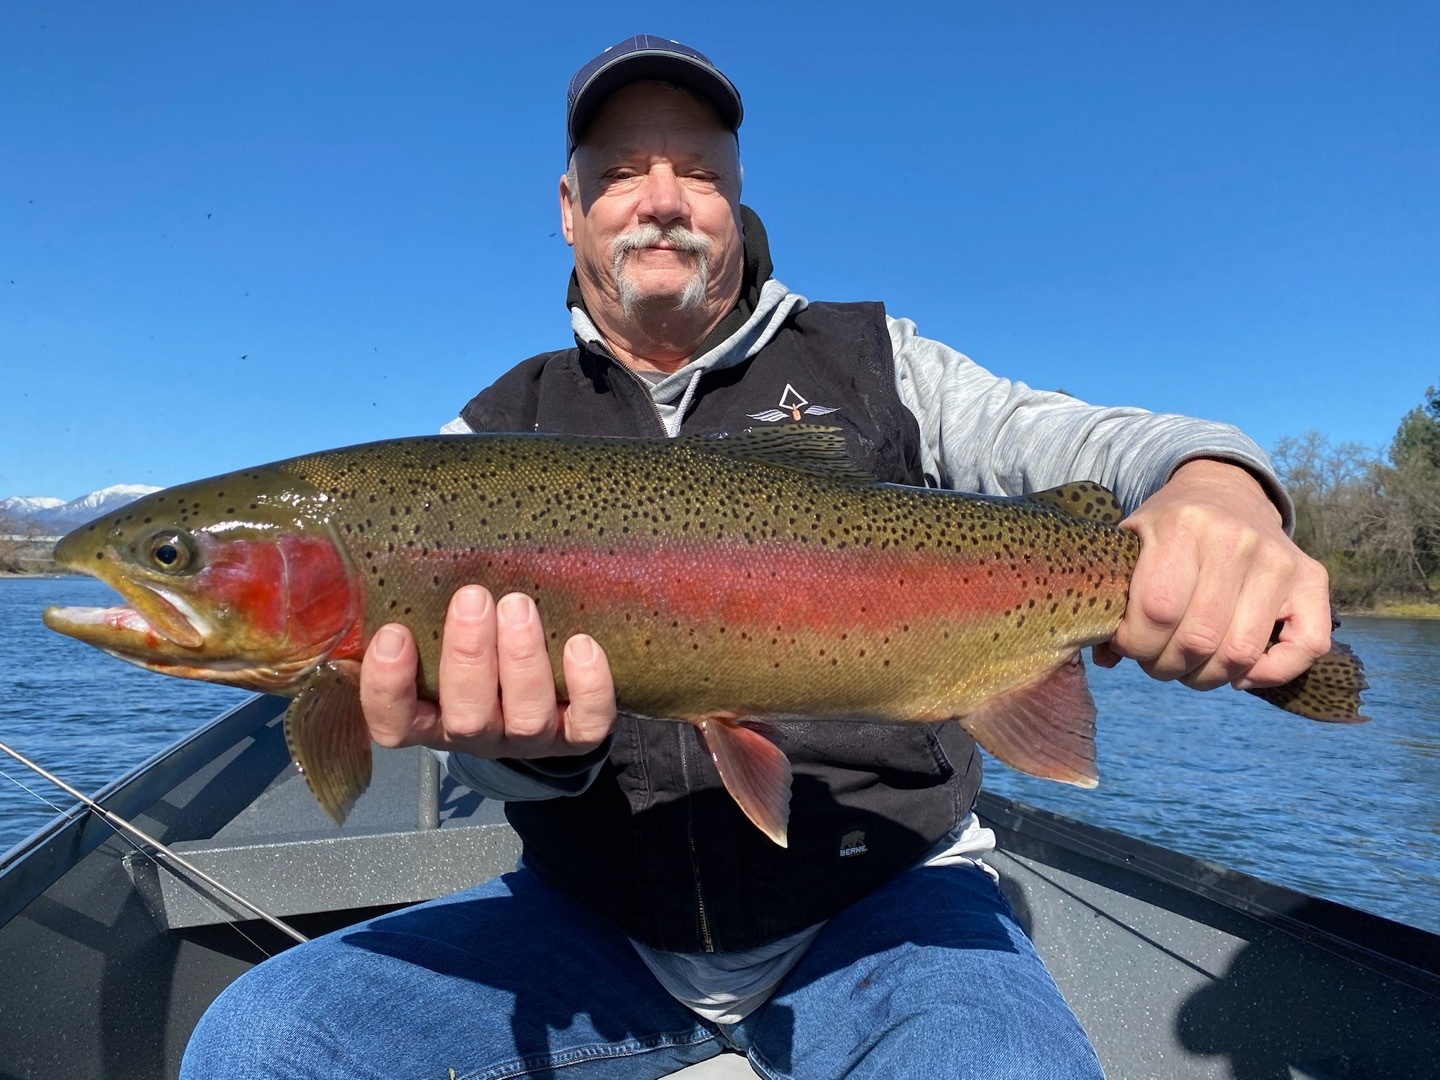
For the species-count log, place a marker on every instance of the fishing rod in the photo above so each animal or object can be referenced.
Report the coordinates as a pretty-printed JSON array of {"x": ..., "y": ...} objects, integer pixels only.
[{"x": 119, "y": 823}]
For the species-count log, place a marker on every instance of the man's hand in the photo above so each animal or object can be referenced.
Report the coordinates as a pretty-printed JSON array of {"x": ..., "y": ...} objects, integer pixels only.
[
  {"x": 1216, "y": 572},
  {"x": 497, "y": 692}
]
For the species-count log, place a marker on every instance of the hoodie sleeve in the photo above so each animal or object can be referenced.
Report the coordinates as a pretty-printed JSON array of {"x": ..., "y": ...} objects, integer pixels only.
[
  {"x": 512, "y": 780},
  {"x": 986, "y": 434}
]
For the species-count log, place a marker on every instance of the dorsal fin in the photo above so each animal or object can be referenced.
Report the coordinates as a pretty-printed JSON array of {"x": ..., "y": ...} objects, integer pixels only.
[
  {"x": 1083, "y": 498},
  {"x": 806, "y": 448}
]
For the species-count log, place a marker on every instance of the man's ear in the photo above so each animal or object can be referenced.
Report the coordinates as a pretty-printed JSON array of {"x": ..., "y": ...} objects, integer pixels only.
[{"x": 567, "y": 212}]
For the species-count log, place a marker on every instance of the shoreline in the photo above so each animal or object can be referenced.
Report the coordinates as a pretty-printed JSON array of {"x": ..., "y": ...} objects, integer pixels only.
[{"x": 1401, "y": 609}]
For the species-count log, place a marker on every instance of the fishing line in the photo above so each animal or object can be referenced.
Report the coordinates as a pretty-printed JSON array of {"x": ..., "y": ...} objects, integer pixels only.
[
  {"x": 63, "y": 811},
  {"x": 115, "y": 821},
  {"x": 73, "y": 812}
]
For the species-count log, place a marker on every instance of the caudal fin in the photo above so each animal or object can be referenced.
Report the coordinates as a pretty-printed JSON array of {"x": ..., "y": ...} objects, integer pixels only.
[{"x": 1329, "y": 691}]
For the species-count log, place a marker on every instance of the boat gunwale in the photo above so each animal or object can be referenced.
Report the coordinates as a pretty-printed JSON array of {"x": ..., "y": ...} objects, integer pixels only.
[
  {"x": 1408, "y": 953},
  {"x": 36, "y": 863}
]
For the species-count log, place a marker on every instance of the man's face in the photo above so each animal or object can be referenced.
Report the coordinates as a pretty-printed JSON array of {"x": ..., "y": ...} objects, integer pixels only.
[{"x": 656, "y": 225}]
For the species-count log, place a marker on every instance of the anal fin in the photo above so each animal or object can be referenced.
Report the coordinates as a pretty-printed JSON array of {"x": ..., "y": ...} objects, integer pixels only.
[
  {"x": 329, "y": 741},
  {"x": 1046, "y": 729},
  {"x": 754, "y": 770}
]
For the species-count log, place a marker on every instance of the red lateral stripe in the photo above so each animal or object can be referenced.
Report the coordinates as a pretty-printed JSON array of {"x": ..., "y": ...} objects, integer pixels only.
[{"x": 803, "y": 588}]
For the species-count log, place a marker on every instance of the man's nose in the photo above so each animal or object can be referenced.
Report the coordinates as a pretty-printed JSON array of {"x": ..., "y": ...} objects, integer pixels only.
[{"x": 664, "y": 198}]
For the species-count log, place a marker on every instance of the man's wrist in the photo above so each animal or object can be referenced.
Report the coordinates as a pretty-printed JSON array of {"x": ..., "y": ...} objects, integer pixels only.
[{"x": 1237, "y": 477}]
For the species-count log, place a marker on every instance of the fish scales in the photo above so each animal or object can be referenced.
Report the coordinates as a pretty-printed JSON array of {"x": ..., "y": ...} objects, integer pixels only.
[
  {"x": 714, "y": 585},
  {"x": 729, "y": 580}
]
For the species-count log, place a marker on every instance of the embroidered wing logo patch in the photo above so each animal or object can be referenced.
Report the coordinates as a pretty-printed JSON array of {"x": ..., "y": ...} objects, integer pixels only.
[{"x": 793, "y": 405}]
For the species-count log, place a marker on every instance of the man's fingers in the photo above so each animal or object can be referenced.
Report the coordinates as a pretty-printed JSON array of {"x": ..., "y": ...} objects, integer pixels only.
[
  {"x": 590, "y": 714},
  {"x": 1304, "y": 637},
  {"x": 1283, "y": 662},
  {"x": 1161, "y": 594},
  {"x": 527, "y": 682},
  {"x": 468, "y": 675},
  {"x": 387, "y": 690},
  {"x": 497, "y": 688},
  {"x": 1244, "y": 633}
]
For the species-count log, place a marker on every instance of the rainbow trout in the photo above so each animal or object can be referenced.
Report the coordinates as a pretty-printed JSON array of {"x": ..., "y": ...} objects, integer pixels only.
[{"x": 730, "y": 580}]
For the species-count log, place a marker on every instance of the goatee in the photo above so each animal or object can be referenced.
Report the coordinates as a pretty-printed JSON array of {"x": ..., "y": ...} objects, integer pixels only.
[{"x": 692, "y": 297}]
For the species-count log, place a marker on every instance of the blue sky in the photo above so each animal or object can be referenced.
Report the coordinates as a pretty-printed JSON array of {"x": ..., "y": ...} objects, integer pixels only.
[{"x": 232, "y": 233}]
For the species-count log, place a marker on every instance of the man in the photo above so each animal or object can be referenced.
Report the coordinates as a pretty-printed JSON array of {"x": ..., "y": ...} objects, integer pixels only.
[{"x": 650, "y": 926}]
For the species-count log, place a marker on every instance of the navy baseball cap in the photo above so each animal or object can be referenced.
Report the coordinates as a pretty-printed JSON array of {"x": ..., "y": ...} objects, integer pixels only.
[{"x": 646, "y": 56}]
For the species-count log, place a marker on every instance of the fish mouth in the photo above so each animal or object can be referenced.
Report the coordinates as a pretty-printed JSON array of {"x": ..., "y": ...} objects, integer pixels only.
[{"x": 156, "y": 623}]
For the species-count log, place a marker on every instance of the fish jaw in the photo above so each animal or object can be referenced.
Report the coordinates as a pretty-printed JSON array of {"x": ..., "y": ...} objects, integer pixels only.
[
  {"x": 159, "y": 615},
  {"x": 260, "y": 611},
  {"x": 122, "y": 632}
]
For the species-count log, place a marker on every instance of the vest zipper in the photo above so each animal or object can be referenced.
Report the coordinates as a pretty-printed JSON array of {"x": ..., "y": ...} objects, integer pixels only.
[
  {"x": 649, "y": 398},
  {"x": 645, "y": 388},
  {"x": 707, "y": 940}
]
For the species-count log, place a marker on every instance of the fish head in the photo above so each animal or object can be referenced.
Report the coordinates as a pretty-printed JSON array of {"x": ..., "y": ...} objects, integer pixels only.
[{"x": 238, "y": 580}]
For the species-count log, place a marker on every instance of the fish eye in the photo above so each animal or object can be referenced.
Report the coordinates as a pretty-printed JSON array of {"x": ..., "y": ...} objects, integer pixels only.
[{"x": 171, "y": 552}]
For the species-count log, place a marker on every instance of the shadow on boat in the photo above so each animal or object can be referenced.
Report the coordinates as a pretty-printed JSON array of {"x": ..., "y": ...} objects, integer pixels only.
[
  {"x": 1176, "y": 967},
  {"x": 1179, "y": 967}
]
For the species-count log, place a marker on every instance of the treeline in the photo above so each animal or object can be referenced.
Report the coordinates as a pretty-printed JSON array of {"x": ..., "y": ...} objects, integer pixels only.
[
  {"x": 21, "y": 550},
  {"x": 1374, "y": 522}
]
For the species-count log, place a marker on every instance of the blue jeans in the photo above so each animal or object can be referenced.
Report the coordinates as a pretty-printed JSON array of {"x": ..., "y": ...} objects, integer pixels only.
[{"x": 927, "y": 977}]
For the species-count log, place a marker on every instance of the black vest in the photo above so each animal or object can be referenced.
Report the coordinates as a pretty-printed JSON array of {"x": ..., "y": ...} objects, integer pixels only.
[{"x": 656, "y": 844}]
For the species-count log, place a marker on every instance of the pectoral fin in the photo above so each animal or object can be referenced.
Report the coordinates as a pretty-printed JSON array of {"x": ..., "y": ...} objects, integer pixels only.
[
  {"x": 329, "y": 742},
  {"x": 1046, "y": 729},
  {"x": 754, "y": 770}
]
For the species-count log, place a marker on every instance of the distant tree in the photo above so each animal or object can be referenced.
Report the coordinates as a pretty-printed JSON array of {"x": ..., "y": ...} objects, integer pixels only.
[
  {"x": 1412, "y": 487},
  {"x": 1374, "y": 523},
  {"x": 17, "y": 540},
  {"x": 1417, "y": 440},
  {"x": 1331, "y": 487}
]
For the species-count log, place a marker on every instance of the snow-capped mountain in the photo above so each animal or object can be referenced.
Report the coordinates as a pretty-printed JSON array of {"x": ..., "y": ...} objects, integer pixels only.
[
  {"x": 24, "y": 506},
  {"x": 57, "y": 515}
]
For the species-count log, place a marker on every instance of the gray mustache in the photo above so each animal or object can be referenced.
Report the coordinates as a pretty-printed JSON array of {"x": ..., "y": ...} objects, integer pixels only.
[{"x": 650, "y": 234}]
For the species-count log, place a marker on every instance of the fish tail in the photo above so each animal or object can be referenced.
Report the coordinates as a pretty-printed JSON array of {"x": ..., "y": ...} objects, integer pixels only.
[{"x": 1329, "y": 691}]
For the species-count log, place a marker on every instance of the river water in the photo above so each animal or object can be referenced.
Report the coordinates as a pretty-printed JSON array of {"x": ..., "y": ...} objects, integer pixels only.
[{"x": 1348, "y": 812}]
